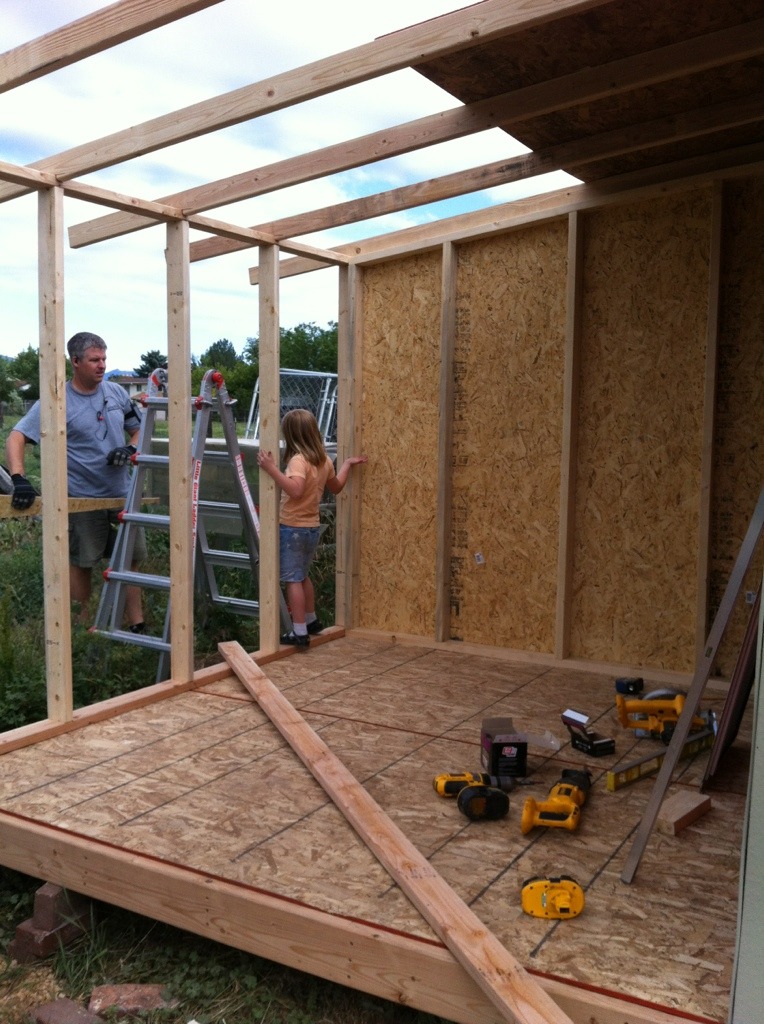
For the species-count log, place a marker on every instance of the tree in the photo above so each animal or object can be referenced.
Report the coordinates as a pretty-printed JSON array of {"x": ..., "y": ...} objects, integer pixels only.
[
  {"x": 219, "y": 356},
  {"x": 7, "y": 384},
  {"x": 150, "y": 361},
  {"x": 309, "y": 347},
  {"x": 26, "y": 369}
]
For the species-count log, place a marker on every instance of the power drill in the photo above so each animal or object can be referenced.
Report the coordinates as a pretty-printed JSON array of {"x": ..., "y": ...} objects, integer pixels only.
[
  {"x": 452, "y": 783},
  {"x": 562, "y": 808}
]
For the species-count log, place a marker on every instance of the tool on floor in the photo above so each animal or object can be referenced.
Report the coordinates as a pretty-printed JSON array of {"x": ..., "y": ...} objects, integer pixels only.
[
  {"x": 213, "y": 398},
  {"x": 504, "y": 749},
  {"x": 552, "y": 897},
  {"x": 562, "y": 808},
  {"x": 650, "y": 763},
  {"x": 655, "y": 714},
  {"x": 483, "y": 803},
  {"x": 629, "y": 685},
  {"x": 583, "y": 738},
  {"x": 452, "y": 783}
]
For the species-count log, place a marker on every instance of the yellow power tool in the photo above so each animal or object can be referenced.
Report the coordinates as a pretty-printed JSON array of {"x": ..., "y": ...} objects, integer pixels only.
[
  {"x": 562, "y": 808},
  {"x": 452, "y": 783},
  {"x": 552, "y": 897},
  {"x": 655, "y": 715}
]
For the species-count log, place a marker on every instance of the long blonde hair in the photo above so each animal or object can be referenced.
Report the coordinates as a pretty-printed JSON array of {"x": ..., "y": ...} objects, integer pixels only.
[{"x": 303, "y": 437}]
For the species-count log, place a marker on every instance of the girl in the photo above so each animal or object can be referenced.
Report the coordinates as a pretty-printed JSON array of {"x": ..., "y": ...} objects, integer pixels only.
[{"x": 308, "y": 471}]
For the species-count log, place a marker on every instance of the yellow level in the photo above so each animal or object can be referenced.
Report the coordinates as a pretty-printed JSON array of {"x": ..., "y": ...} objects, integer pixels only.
[{"x": 649, "y": 764}]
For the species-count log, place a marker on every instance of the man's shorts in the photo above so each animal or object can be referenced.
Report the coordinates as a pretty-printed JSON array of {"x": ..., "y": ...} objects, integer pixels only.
[
  {"x": 297, "y": 546},
  {"x": 92, "y": 535}
]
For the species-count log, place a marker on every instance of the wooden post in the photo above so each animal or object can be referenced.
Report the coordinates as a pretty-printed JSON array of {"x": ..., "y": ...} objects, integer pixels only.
[
  {"x": 569, "y": 453},
  {"x": 709, "y": 417},
  {"x": 270, "y": 432},
  {"x": 515, "y": 993},
  {"x": 348, "y": 506},
  {"x": 55, "y": 524},
  {"x": 449, "y": 261},
  {"x": 179, "y": 428}
]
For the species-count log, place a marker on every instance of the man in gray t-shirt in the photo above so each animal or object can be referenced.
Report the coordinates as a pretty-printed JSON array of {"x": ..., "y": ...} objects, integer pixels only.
[{"x": 98, "y": 416}]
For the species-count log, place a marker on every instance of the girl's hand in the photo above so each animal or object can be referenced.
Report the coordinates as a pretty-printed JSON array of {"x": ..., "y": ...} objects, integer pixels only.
[
  {"x": 266, "y": 461},
  {"x": 356, "y": 460}
]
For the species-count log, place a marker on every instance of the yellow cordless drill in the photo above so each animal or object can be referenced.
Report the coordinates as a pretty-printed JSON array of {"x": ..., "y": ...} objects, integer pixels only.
[
  {"x": 562, "y": 808},
  {"x": 452, "y": 783}
]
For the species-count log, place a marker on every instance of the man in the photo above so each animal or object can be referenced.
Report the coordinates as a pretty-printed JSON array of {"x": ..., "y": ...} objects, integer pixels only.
[{"x": 98, "y": 415}]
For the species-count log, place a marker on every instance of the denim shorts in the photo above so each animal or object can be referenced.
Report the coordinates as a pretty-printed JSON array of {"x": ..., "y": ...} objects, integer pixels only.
[{"x": 297, "y": 546}]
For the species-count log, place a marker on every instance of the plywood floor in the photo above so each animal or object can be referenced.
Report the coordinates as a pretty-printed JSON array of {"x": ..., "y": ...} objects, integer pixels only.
[{"x": 204, "y": 780}]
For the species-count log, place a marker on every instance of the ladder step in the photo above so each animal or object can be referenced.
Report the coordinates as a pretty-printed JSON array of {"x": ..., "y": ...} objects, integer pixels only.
[
  {"x": 156, "y": 643},
  {"x": 151, "y": 460},
  {"x": 146, "y": 519},
  {"x": 215, "y": 556},
  {"x": 238, "y": 604},
  {"x": 137, "y": 579}
]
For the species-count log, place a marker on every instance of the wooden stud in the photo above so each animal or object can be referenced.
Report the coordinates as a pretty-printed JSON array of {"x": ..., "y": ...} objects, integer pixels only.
[
  {"x": 348, "y": 506},
  {"x": 445, "y": 442},
  {"x": 709, "y": 416},
  {"x": 569, "y": 455},
  {"x": 270, "y": 433},
  {"x": 179, "y": 429},
  {"x": 55, "y": 526}
]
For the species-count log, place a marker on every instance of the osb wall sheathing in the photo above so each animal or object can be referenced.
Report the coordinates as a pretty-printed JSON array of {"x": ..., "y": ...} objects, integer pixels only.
[
  {"x": 738, "y": 466},
  {"x": 507, "y": 435},
  {"x": 400, "y": 332},
  {"x": 645, "y": 300}
]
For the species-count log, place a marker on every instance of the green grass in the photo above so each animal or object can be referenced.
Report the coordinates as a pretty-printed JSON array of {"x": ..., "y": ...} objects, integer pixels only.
[{"x": 211, "y": 983}]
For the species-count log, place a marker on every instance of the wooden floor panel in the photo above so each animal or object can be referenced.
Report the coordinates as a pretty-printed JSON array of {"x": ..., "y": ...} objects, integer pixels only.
[{"x": 204, "y": 780}]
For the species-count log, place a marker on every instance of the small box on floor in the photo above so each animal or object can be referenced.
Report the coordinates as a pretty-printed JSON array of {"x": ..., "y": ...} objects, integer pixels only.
[{"x": 503, "y": 750}]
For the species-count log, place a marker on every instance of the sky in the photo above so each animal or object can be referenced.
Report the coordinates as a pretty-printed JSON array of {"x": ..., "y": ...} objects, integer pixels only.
[{"x": 116, "y": 288}]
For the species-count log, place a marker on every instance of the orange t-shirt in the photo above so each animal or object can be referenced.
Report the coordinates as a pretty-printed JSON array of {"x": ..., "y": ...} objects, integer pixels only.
[{"x": 304, "y": 511}]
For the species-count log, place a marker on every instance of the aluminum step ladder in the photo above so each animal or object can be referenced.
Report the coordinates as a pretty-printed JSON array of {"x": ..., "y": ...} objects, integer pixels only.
[{"x": 213, "y": 399}]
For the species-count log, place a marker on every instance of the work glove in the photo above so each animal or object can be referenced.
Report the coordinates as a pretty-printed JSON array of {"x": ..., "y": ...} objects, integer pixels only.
[
  {"x": 120, "y": 456},
  {"x": 23, "y": 492}
]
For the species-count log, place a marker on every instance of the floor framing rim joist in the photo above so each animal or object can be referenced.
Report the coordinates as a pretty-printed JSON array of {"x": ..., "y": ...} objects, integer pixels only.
[{"x": 363, "y": 955}]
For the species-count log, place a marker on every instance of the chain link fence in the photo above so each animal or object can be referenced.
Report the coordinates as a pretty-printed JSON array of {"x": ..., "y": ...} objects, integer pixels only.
[{"x": 301, "y": 389}]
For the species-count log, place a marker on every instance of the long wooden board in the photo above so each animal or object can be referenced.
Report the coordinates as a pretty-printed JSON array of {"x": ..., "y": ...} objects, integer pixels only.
[{"x": 513, "y": 991}]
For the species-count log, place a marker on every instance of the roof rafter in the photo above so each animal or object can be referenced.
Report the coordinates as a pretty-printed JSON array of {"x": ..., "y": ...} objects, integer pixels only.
[
  {"x": 455, "y": 31},
  {"x": 583, "y": 86},
  {"x": 741, "y": 162},
  {"x": 672, "y": 128},
  {"x": 99, "y": 31}
]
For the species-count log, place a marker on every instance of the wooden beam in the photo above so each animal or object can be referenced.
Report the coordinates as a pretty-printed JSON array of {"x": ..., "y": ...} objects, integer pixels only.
[
  {"x": 270, "y": 434},
  {"x": 74, "y": 505},
  {"x": 472, "y": 26},
  {"x": 709, "y": 419},
  {"x": 53, "y": 467},
  {"x": 402, "y": 969},
  {"x": 742, "y": 162},
  {"x": 350, "y": 385},
  {"x": 250, "y": 237},
  {"x": 515, "y": 993},
  {"x": 569, "y": 449},
  {"x": 92, "y": 34},
  {"x": 582, "y": 86},
  {"x": 448, "y": 275},
  {"x": 572, "y": 156},
  {"x": 179, "y": 430}
]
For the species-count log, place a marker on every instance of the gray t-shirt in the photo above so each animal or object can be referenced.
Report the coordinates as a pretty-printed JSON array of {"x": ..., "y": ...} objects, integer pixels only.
[{"x": 94, "y": 425}]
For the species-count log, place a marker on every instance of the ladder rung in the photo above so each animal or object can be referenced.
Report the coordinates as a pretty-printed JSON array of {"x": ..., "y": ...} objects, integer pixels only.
[
  {"x": 238, "y": 603},
  {"x": 151, "y": 460},
  {"x": 156, "y": 643},
  {"x": 216, "y": 556},
  {"x": 137, "y": 579},
  {"x": 146, "y": 519}
]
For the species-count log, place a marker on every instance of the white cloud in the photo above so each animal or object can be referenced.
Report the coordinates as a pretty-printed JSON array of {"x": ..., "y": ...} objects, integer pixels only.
[{"x": 117, "y": 288}]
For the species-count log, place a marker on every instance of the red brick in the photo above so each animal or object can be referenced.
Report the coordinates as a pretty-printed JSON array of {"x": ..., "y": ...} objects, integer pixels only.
[
  {"x": 128, "y": 999},
  {"x": 63, "y": 1011},
  {"x": 54, "y": 906},
  {"x": 30, "y": 943}
]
